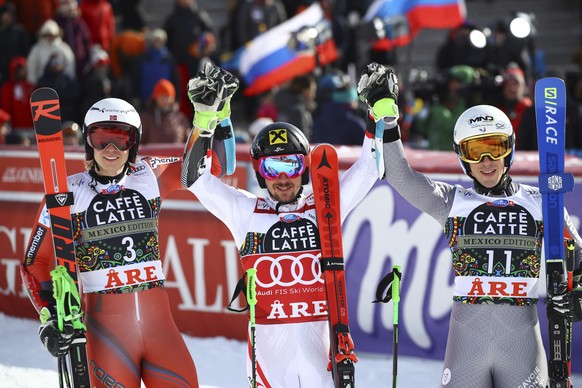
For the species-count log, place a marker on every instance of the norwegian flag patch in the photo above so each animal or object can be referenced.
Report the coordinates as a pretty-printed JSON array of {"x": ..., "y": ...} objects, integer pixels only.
[{"x": 112, "y": 117}]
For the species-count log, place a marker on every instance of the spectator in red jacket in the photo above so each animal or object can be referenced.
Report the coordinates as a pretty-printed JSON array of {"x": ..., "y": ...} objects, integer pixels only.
[
  {"x": 514, "y": 98},
  {"x": 15, "y": 98},
  {"x": 161, "y": 118},
  {"x": 99, "y": 16}
]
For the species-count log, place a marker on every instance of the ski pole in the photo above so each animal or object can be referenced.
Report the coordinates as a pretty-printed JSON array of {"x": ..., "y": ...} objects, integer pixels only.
[
  {"x": 395, "y": 301},
  {"x": 390, "y": 285},
  {"x": 68, "y": 307},
  {"x": 252, "y": 301}
]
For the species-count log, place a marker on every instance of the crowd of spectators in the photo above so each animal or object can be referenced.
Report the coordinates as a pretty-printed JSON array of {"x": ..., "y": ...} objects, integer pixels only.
[
  {"x": 91, "y": 49},
  {"x": 88, "y": 50}
]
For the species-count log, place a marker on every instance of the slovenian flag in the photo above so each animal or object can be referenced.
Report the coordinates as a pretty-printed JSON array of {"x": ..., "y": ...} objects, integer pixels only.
[
  {"x": 292, "y": 48},
  {"x": 403, "y": 19}
]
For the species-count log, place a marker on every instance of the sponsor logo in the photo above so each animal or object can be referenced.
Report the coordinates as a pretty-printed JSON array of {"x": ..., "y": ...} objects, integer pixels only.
[
  {"x": 511, "y": 220},
  {"x": 113, "y": 189},
  {"x": 555, "y": 182},
  {"x": 105, "y": 210},
  {"x": 501, "y": 203},
  {"x": 480, "y": 120},
  {"x": 48, "y": 139},
  {"x": 23, "y": 175},
  {"x": 135, "y": 169},
  {"x": 155, "y": 162},
  {"x": 61, "y": 199},
  {"x": 290, "y": 218},
  {"x": 46, "y": 108},
  {"x": 277, "y": 136},
  {"x": 288, "y": 270},
  {"x": 300, "y": 235}
]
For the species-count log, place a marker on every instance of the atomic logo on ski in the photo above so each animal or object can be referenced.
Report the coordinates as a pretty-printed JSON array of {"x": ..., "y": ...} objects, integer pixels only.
[{"x": 324, "y": 162}]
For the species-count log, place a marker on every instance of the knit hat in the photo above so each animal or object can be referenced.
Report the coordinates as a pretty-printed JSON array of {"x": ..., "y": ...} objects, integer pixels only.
[
  {"x": 49, "y": 27},
  {"x": 98, "y": 56},
  {"x": 514, "y": 72},
  {"x": 164, "y": 88}
]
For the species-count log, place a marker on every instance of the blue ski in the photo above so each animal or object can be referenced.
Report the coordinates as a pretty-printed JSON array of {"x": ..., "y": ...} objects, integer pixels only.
[{"x": 550, "y": 108}]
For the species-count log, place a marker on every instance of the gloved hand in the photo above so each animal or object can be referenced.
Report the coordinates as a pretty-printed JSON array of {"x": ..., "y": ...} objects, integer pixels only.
[
  {"x": 567, "y": 304},
  {"x": 226, "y": 81},
  {"x": 55, "y": 341},
  {"x": 378, "y": 89},
  {"x": 230, "y": 83},
  {"x": 207, "y": 94}
]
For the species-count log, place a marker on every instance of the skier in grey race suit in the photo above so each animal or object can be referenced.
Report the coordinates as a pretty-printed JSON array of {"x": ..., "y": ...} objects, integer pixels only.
[
  {"x": 276, "y": 233},
  {"x": 495, "y": 231}
]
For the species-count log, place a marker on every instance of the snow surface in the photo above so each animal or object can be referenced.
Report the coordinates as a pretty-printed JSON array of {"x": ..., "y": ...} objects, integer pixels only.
[{"x": 25, "y": 363}]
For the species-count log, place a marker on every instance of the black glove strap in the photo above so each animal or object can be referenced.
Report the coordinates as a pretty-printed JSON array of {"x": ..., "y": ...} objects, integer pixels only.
[{"x": 390, "y": 134}]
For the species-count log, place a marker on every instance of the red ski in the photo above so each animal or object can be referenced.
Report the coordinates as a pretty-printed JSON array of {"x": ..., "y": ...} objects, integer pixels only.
[
  {"x": 46, "y": 115},
  {"x": 325, "y": 182}
]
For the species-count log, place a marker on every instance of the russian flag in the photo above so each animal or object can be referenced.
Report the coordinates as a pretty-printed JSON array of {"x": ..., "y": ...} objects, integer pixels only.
[
  {"x": 292, "y": 48},
  {"x": 403, "y": 19}
]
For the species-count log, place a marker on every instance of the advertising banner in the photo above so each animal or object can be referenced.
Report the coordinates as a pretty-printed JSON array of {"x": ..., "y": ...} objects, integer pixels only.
[{"x": 201, "y": 261}]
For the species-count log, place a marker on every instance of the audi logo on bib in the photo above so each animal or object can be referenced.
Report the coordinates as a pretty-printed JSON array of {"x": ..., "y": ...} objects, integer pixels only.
[
  {"x": 288, "y": 270},
  {"x": 289, "y": 286}
]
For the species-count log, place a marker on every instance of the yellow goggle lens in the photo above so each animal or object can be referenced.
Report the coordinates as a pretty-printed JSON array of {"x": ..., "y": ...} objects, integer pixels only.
[{"x": 472, "y": 150}]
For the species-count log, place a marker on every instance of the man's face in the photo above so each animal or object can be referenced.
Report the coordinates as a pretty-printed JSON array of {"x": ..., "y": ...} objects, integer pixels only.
[
  {"x": 283, "y": 188},
  {"x": 488, "y": 172}
]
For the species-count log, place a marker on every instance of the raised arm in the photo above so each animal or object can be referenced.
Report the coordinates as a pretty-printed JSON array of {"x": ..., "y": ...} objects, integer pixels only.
[
  {"x": 378, "y": 89},
  {"x": 210, "y": 93}
]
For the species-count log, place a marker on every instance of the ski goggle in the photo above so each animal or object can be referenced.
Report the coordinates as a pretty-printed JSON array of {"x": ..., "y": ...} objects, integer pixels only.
[
  {"x": 271, "y": 167},
  {"x": 472, "y": 150},
  {"x": 122, "y": 136}
]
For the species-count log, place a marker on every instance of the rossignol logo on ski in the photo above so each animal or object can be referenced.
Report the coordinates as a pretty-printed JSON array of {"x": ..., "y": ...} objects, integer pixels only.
[
  {"x": 61, "y": 199},
  {"x": 45, "y": 108},
  {"x": 49, "y": 139}
]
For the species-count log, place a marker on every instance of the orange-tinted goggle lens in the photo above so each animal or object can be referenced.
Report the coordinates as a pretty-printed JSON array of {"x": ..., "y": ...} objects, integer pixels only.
[{"x": 495, "y": 146}]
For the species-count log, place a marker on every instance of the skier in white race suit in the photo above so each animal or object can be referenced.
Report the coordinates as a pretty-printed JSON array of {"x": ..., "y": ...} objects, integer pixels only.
[
  {"x": 275, "y": 233},
  {"x": 495, "y": 232}
]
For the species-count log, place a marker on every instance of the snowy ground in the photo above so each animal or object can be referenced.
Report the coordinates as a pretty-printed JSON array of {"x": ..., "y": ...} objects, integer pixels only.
[{"x": 24, "y": 362}]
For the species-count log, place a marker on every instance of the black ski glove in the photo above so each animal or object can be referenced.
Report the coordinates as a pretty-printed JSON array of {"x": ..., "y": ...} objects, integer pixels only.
[
  {"x": 567, "y": 304},
  {"x": 378, "y": 89},
  {"x": 55, "y": 341}
]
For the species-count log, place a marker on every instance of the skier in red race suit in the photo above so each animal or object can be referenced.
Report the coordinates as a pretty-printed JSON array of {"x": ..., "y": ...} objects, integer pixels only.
[
  {"x": 276, "y": 234},
  {"x": 131, "y": 335},
  {"x": 495, "y": 231}
]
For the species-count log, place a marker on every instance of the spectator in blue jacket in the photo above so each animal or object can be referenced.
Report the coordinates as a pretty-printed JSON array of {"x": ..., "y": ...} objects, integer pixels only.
[
  {"x": 155, "y": 64},
  {"x": 338, "y": 120}
]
